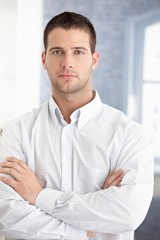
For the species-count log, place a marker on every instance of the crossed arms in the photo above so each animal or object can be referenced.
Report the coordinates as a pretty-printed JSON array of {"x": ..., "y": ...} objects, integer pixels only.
[
  {"x": 29, "y": 211},
  {"x": 27, "y": 185}
]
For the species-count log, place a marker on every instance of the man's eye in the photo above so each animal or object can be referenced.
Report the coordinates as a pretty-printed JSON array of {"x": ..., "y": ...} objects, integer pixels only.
[
  {"x": 57, "y": 52},
  {"x": 78, "y": 52}
]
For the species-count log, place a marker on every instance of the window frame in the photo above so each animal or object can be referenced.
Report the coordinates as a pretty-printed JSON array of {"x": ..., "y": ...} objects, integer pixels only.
[{"x": 133, "y": 70}]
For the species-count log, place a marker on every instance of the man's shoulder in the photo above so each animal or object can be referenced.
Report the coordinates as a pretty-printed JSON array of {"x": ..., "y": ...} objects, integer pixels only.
[
  {"x": 118, "y": 118},
  {"x": 28, "y": 119},
  {"x": 34, "y": 113},
  {"x": 113, "y": 115}
]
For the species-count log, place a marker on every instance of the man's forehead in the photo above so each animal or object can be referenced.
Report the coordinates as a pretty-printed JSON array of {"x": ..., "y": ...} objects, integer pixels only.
[
  {"x": 56, "y": 32},
  {"x": 73, "y": 37}
]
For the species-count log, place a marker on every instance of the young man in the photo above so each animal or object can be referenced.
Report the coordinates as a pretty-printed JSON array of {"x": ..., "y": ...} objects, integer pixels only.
[{"x": 72, "y": 143}]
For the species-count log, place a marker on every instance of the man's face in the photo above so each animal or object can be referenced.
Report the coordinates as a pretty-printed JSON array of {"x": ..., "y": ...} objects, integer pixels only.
[{"x": 69, "y": 61}]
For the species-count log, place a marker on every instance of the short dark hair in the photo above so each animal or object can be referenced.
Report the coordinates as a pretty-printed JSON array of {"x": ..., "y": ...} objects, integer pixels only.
[{"x": 71, "y": 20}]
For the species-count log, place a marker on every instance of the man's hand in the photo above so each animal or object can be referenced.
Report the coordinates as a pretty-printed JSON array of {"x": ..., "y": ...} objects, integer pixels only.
[
  {"x": 113, "y": 179},
  {"x": 23, "y": 181}
]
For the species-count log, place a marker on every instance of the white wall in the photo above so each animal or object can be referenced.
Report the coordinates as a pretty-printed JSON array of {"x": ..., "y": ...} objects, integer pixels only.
[
  {"x": 8, "y": 18},
  {"x": 20, "y": 58},
  {"x": 20, "y": 50}
]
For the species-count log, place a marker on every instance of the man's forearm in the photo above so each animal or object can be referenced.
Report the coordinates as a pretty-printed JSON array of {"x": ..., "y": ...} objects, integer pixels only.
[
  {"x": 93, "y": 211},
  {"x": 21, "y": 220}
]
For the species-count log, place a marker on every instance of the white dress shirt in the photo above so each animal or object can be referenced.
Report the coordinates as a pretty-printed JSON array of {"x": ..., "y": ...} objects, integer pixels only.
[{"x": 72, "y": 162}]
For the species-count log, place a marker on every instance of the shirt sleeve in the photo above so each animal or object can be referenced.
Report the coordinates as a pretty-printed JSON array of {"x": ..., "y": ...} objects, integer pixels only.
[
  {"x": 124, "y": 207},
  {"x": 19, "y": 219}
]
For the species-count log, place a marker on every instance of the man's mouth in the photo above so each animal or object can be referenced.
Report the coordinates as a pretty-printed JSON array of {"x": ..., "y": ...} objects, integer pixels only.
[{"x": 66, "y": 75}]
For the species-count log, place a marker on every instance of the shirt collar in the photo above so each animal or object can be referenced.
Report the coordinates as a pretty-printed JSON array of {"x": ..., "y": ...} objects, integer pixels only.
[
  {"x": 54, "y": 112},
  {"x": 81, "y": 115},
  {"x": 89, "y": 110}
]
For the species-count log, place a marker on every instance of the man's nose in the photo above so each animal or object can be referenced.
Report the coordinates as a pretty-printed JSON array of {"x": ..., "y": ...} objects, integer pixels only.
[{"x": 67, "y": 62}]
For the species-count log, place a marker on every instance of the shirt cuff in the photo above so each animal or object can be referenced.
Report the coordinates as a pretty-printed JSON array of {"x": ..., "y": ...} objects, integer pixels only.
[
  {"x": 46, "y": 200},
  {"x": 74, "y": 233}
]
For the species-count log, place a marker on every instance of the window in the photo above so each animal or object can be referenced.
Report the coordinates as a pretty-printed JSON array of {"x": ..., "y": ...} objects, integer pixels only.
[
  {"x": 150, "y": 105},
  {"x": 144, "y": 75},
  {"x": 143, "y": 98}
]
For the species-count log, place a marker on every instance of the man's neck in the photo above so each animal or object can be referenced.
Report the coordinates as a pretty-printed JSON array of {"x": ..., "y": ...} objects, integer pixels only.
[{"x": 68, "y": 103}]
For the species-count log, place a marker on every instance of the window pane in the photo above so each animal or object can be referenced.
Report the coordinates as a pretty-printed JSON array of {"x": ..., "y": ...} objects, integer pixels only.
[
  {"x": 151, "y": 67},
  {"x": 151, "y": 112}
]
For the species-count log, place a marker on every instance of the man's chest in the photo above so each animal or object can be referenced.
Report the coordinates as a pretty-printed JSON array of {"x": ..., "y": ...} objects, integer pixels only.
[{"x": 70, "y": 160}]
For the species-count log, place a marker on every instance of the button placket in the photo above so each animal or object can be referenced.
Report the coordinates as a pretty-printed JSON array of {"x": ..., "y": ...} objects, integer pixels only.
[{"x": 66, "y": 151}]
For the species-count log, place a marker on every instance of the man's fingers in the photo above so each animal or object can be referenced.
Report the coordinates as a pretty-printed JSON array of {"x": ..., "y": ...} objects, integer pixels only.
[
  {"x": 114, "y": 178},
  {"x": 18, "y": 161},
  {"x": 91, "y": 234},
  {"x": 112, "y": 172},
  {"x": 9, "y": 166},
  {"x": 9, "y": 181},
  {"x": 14, "y": 167},
  {"x": 117, "y": 181},
  {"x": 10, "y": 171},
  {"x": 15, "y": 163}
]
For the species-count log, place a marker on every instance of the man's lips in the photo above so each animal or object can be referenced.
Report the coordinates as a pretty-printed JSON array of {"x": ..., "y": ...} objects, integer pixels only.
[{"x": 67, "y": 75}]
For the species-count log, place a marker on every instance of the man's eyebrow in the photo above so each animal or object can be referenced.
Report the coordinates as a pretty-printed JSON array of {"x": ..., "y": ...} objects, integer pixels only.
[
  {"x": 55, "y": 48},
  {"x": 80, "y": 48}
]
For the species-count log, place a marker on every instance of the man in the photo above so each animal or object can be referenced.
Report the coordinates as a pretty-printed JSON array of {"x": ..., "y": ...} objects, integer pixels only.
[{"x": 72, "y": 143}]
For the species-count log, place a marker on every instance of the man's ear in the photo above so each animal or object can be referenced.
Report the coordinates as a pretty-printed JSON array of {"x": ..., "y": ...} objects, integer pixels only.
[
  {"x": 95, "y": 59},
  {"x": 43, "y": 57}
]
